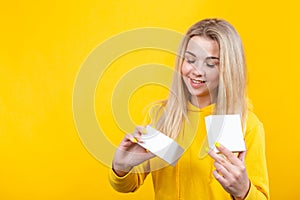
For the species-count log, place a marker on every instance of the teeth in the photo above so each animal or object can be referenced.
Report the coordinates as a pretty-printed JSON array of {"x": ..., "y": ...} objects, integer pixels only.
[{"x": 197, "y": 81}]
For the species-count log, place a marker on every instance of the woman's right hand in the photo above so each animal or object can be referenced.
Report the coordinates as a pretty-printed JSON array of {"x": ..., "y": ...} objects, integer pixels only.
[{"x": 129, "y": 153}]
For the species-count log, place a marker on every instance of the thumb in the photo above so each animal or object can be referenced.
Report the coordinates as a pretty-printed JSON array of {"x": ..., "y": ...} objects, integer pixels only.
[
  {"x": 242, "y": 155},
  {"x": 149, "y": 155}
]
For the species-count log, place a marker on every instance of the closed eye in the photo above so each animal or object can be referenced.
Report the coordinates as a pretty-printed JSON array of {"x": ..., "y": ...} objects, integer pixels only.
[
  {"x": 211, "y": 61},
  {"x": 210, "y": 65},
  {"x": 190, "y": 58},
  {"x": 190, "y": 61}
]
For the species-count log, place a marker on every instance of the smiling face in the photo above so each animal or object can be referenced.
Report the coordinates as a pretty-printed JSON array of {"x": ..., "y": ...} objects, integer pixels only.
[{"x": 200, "y": 70}]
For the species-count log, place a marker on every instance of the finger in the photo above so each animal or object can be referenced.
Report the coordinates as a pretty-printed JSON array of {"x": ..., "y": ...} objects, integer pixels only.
[
  {"x": 242, "y": 156},
  {"x": 131, "y": 139},
  {"x": 140, "y": 130},
  {"x": 228, "y": 154},
  {"x": 221, "y": 170},
  {"x": 220, "y": 178},
  {"x": 150, "y": 155},
  {"x": 220, "y": 158},
  {"x": 137, "y": 138},
  {"x": 128, "y": 140},
  {"x": 214, "y": 155}
]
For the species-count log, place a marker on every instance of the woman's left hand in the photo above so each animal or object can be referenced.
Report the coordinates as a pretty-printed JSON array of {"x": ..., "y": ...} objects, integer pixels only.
[{"x": 231, "y": 171}]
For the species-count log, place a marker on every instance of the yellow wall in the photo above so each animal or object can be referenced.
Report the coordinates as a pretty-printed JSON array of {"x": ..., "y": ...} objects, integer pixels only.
[{"x": 44, "y": 43}]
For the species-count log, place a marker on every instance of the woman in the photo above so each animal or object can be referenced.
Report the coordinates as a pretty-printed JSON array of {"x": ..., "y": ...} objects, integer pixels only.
[{"x": 210, "y": 78}]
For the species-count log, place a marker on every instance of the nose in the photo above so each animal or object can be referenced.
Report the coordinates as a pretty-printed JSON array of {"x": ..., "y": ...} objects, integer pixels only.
[{"x": 198, "y": 69}]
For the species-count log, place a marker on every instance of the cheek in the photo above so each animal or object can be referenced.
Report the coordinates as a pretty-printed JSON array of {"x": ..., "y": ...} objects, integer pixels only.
[
  {"x": 185, "y": 69},
  {"x": 214, "y": 76}
]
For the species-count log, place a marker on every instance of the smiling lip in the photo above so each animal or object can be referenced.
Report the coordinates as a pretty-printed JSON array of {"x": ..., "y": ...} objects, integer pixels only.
[{"x": 197, "y": 83}]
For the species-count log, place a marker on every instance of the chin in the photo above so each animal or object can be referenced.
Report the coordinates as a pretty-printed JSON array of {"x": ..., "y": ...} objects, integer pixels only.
[{"x": 199, "y": 93}]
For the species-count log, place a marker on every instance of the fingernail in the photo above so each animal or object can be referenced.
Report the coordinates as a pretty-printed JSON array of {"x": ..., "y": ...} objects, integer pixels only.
[
  {"x": 134, "y": 140},
  {"x": 207, "y": 149},
  {"x": 217, "y": 144}
]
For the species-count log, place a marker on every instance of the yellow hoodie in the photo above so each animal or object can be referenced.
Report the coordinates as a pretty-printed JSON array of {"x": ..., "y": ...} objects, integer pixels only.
[{"x": 192, "y": 176}]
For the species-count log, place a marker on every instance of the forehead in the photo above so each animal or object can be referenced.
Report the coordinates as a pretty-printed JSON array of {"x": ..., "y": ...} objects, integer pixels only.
[{"x": 203, "y": 46}]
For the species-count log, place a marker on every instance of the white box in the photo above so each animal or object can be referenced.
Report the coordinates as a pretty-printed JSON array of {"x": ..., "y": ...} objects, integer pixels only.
[
  {"x": 226, "y": 130},
  {"x": 161, "y": 145}
]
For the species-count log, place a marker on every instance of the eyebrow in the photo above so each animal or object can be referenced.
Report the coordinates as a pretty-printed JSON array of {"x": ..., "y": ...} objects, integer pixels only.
[
  {"x": 191, "y": 53},
  {"x": 210, "y": 57}
]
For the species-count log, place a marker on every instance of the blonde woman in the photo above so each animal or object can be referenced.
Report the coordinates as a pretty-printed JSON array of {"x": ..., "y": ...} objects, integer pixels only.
[{"x": 210, "y": 78}]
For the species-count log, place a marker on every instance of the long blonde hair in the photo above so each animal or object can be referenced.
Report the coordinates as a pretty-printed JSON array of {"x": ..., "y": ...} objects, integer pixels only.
[{"x": 231, "y": 96}]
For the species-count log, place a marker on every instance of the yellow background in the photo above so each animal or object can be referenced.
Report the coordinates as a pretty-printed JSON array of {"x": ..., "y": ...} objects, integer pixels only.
[{"x": 44, "y": 43}]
